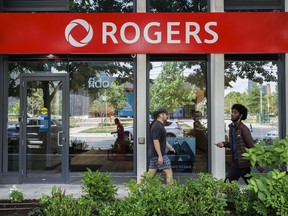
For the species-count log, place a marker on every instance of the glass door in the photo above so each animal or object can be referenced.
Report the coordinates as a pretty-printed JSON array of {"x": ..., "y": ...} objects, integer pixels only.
[{"x": 44, "y": 128}]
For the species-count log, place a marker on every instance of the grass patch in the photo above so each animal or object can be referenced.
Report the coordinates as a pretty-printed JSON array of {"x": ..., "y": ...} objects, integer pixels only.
[
  {"x": 99, "y": 130},
  {"x": 130, "y": 120},
  {"x": 185, "y": 126}
]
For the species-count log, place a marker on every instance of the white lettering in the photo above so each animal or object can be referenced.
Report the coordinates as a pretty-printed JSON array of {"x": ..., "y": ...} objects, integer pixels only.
[
  {"x": 91, "y": 82},
  {"x": 98, "y": 83},
  {"x": 192, "y": 29},
  {"x": 95, "y": 82},
  {"x": 105, "y": 84},
  {"x": 170, "y": 33},
  {"x": 137, "y": 33},
  {"x": 211, "y": 32},
  {"x": 110, "y": 34},
  {"x": 193, "y": 33},
  {"x": 157, "y": 34}
]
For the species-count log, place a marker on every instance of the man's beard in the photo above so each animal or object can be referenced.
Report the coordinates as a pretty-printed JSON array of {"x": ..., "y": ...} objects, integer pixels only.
[{"x": 235, "y": 120}]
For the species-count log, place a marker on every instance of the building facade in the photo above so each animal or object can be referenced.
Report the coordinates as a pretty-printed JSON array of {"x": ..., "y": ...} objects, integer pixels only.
[{"x": 58, "y": 106}]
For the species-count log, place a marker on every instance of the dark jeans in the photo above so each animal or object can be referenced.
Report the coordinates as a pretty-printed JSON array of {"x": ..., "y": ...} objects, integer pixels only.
[{"x": 235, "y": 173}]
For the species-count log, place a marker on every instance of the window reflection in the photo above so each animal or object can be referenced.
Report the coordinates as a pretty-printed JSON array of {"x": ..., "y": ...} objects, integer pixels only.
[
  {"x": 253, "y": 84},
  {"x": 11, "y": 145},
  {"x": 180, "y": 87},
  {"x": 100, "y": 92},
  {"x": 101, "y": 6},
  {"x": 177, "y": 6}
]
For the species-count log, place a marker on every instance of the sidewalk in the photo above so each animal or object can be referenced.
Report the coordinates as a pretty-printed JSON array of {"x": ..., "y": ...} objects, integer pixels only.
[{"x": 35, "y": 191}]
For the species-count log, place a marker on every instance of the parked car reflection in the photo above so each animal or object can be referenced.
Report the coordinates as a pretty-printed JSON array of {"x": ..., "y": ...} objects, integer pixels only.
[
  {"x": 173, "y": 129},
  {"x": 34, "y": 136}
]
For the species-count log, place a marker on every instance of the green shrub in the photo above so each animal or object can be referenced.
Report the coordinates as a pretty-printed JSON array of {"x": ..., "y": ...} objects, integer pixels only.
[
  {"x": 203, "y": 195},
  {"x": 98, "y": 186},
  {"x": 206, "y": 196},
  {"x": 15, "y": 195},
  {"x": 274, "y": 156},
  {"x": 149, "y": 197},
  {"x": 63, "y": 205},
  {"x": 271, "y": 189}
]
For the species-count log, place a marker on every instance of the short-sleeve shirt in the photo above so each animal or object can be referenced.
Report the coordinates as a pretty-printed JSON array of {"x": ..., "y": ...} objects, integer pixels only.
[
  {"x": 158, "y": 132},
  {"x": 120, "y": 131}
]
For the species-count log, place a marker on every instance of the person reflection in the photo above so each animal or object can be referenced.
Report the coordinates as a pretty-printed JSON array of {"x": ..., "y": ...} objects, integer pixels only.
[
  {"x": 198, "y": 131},
  {"x": 119, "y": 146}
]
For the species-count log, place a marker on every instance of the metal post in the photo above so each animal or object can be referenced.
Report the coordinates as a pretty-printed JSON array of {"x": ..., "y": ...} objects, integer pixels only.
[
  {"x": 141, "y": 106},
  {"x": 216, "y": 105}
]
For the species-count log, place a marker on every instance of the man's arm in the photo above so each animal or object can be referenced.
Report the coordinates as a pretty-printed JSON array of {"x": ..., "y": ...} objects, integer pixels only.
[
  {"x": 248, "y": 139},
  {"x": 169, "y": 147},
  {"x": 225, "y": 144},
  {"x": 249, "y": 142},
  {"x": 158, "y": 150}
]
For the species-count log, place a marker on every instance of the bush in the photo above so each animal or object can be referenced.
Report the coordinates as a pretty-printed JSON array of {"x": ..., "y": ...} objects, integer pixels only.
[
  {"x": 98, "y": 186},
  {"x": 203, "y": 195},
  {"x": 271, "y": 189},
  {"x": 206, "y": 196},
  {"x": 15, "y": 195},
  {"x": 61, "y": 205},
  {"x": 149, "y": 197}
]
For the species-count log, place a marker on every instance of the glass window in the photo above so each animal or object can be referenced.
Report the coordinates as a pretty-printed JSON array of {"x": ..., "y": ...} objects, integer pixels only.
[
  {"x": 11, "y": 146},
  {"x": 101, "y": 6},
  {"x": 253, "y": 84},
  {"x": 101, "y": 93},
  {"x": 181, "y": 88},
  {"x": 177, "y": 6}
]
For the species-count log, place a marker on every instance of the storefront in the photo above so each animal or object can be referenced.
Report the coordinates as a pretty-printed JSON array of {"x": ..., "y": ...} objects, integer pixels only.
[{"x": 66, "y": 76}]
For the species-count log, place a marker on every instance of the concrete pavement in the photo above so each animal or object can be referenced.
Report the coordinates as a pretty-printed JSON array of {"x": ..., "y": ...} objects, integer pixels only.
[{"x": 35, "y": 191}]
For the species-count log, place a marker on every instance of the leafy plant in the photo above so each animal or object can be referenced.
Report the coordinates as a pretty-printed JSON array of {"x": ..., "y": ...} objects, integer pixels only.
[
  {"x": 271, "y": 189},
  {"x": 63, "y": 205},
  {"x": 15, "y": 195},
  {"x": 274, "y": 156},
  {"x": 98, "y": 186},
  {"x": 149, "y": 197},
  {"x": 77, "y": 145},
  {"x": 206, "y": 195},
  {"x": 203, "y": 195}
]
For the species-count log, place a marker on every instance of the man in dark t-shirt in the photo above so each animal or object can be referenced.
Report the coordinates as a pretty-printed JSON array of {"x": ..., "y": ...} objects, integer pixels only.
[{"x": 156, "y": 151}]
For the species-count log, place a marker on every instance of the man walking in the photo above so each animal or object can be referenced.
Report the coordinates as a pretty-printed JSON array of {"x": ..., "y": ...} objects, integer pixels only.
[
  {"x": 239, "y": 138},
  {"x": 157, "y": 155}
]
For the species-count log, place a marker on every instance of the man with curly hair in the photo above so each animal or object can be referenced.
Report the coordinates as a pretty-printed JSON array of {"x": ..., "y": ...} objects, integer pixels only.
[{"x": 239, "y": 138}]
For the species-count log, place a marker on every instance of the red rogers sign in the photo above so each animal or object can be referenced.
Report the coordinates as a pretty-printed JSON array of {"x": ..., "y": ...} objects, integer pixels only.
[{"x": 89, "y": 33}]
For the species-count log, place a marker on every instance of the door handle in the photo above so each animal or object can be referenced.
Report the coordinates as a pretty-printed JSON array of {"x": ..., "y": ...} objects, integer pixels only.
[{"x": 58, "y": 139}]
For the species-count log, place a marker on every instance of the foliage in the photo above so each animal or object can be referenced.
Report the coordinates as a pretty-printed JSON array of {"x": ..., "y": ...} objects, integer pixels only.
[
  {"x": 149, "y": 197},
  {"x": 178, "y": 6},
  {"x": 256, "y": 71},
  {"x": 232, "y": 98},
  {"x": 14, "y": 108},
  {"x": 254, "y": 99},
  {"x": 251, "y": 99},
  {"x": 115, "y": 95},
  {"x": 15, "y": 195},
  {"x": 101, "y": 6},
  {"x": 78, "y": 144},
  {"x": 115, "y": 99},
  {"x": 206, "y": 196},
  {"x": 98, "y": 186},
  {"x": 203, "y": 195},
  {"x": 273, "y": 100},
  {"x": 170, "y": 90},
  {"x": 271, "y": 189},
  {"x": 274, "y": 156},
  {"x": 63, "y": 205}
]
